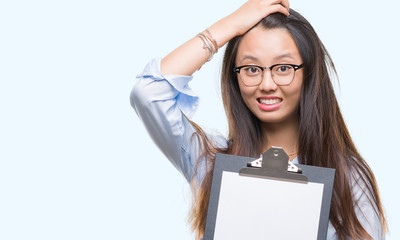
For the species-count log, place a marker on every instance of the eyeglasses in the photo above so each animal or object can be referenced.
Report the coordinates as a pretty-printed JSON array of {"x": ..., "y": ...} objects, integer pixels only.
[{"x": 282, "y": 74}]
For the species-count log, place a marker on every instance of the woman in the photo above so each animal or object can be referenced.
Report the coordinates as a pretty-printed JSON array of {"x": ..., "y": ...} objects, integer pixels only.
[{"x": 276, "y": 92}]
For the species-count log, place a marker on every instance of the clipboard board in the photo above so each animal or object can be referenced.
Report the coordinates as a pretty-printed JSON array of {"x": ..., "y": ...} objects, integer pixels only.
[{"x": 231, "y": 216}]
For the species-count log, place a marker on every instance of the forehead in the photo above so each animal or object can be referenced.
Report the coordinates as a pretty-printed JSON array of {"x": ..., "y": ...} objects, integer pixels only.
[{"x": 267, "y": 46}]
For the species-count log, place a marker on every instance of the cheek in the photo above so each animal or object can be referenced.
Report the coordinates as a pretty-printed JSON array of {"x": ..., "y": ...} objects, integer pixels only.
[
  {"x": 295, "y": 93},
  {"x": 247, "y": 93},
  {"x": 297, "y": 86},
  {"x": 292, "y": 92}
]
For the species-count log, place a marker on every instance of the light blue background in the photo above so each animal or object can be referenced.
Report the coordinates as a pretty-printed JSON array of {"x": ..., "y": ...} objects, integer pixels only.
[{"x": 75, "y": 161}]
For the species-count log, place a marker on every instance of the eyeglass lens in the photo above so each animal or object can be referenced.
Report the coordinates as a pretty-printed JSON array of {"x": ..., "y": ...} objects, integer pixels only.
[{"x": 253, "y": 75}]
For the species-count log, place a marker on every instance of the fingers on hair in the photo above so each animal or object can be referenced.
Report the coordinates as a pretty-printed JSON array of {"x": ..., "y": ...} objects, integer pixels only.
[
  {"x": 279, "y": 8},
  {"x": 285, "y": 3}
]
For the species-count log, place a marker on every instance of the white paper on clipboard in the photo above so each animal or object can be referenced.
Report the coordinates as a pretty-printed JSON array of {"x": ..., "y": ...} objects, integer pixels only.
[{"x": 269, "y": 209}]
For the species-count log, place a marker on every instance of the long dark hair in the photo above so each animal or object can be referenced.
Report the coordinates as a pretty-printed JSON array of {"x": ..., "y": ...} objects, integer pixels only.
[{"x": 323, "y": 136}]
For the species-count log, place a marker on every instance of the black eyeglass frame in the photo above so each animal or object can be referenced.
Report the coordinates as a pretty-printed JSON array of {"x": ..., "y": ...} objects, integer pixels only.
[{"x": 294, "y": 66}]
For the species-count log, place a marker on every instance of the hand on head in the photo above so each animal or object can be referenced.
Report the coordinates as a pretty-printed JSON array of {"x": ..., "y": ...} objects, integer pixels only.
[
  {"x": 250, "y": 13},
  {"x": 186, "y": 59}
]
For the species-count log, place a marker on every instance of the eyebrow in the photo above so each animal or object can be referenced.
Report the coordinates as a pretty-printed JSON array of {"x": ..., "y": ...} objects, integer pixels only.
[
  {"x": 279, "y": 57},
  {"x": 248, "y": 57}
]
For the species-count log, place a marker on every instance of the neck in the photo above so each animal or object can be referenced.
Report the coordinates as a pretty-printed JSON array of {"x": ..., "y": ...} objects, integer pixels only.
[{"x": 283, "y": 134}]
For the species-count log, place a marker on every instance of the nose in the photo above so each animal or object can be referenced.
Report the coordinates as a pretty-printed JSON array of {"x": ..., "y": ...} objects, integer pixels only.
[{"x": 267, "y": 84}]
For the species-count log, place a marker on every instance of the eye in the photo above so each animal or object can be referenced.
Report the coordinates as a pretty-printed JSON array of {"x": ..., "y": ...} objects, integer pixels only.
[
  {"x": 252, "y": 70},
  {"x": 283, "y": 68}
]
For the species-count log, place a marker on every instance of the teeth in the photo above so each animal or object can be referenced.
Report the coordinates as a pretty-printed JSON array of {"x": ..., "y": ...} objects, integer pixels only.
[{"x": 270, "y": 101}]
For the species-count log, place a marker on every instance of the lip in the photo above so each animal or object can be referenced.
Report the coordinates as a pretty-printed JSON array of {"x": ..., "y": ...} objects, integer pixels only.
[{"x": 269, "y": 107}]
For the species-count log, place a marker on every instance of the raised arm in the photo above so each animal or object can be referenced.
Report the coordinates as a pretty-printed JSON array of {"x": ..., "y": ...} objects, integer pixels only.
[
  {"x": 187, "y": 58},
  {"x": 162, "y": 98}
]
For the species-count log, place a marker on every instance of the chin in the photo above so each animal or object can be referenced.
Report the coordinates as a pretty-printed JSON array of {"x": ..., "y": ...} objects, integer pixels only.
[
  {"x": 270, "y": 119},
  {"x": 275, "y": 118}
]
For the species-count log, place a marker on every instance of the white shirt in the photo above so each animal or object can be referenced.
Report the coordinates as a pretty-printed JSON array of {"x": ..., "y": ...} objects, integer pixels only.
[{"x": 162, "y": 102}]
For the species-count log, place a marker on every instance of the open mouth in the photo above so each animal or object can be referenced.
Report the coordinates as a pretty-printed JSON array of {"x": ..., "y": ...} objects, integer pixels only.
[{"x": 269, "y": 101}]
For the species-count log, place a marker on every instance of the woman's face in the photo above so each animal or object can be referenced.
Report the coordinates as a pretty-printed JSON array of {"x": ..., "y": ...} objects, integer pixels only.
[{"x": 269, "y": 102}]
